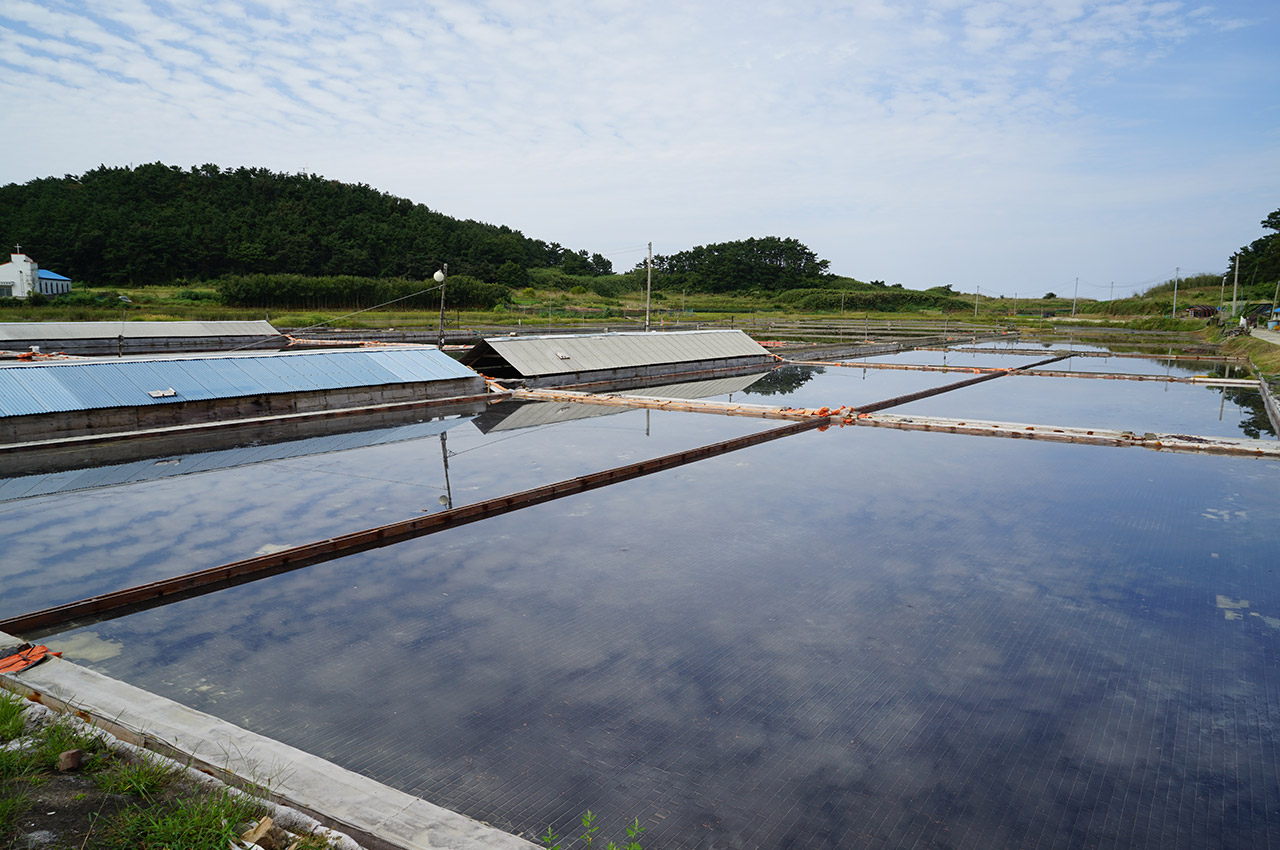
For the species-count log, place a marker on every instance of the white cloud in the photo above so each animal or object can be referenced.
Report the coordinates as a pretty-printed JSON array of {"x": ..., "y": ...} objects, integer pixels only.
[{"x": 598, "y": 124}]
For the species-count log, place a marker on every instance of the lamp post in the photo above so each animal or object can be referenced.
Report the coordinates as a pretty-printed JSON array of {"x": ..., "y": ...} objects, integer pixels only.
[
  {"x": 440, "y": 277},
  {"x": 648, "y": 286},
  {"x": 124, "y": 305}
]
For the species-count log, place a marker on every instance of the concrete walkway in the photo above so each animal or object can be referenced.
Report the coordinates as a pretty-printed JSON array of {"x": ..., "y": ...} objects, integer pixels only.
[
  {"x": 1272, "y": 337},
  {"x": 378, "y": 817}
]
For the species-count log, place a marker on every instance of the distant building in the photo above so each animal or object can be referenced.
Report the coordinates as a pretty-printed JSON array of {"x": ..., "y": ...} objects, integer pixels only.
[{"x": 21, "y": 276}]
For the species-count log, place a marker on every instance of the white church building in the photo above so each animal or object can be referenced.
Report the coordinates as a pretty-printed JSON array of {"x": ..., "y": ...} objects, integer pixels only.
[{"x": 21, "y": 276}]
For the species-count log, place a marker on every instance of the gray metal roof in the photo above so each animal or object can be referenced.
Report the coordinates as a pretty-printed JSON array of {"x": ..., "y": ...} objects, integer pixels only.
[
  {"x": 534, "y": 356},
  {"x": 35, "y": 332},
  {"x": 50, "y": 387},
  {"x": 44, "y": 484}
]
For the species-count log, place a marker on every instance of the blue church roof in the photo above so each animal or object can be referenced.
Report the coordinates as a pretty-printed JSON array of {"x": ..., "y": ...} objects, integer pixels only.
[{"x": 48, "y": 275}]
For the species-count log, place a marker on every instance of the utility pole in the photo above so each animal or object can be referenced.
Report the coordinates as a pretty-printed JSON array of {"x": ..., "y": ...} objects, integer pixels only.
[
  {"x": 648, "y": 285},
  {"x": 1235, "y": 287},
  {"x": 1074, "y": 293},
  {"x": 1177, "y": 275},
  {"x": 975, "y": 301},
  {"x": 440, "y": 278},
  {"x": 1113, "y": 291},
  {"x": 1222, "y": 296}
]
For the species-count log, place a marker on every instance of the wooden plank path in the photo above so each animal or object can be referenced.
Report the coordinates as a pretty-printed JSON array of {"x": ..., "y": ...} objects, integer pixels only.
[
  {"x": 1053, "y": 373},
  {"x": 869, "y": 415},
  {"x": 1040, "y": 352},
  {"x": 754, "y": 411},
  {"x": 1184, "y": 443}
]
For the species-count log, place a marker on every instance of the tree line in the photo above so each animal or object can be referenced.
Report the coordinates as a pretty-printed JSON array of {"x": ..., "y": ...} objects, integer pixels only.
[
  {"x": 1259, "y": 261},
  {"x": 158, "y": 223},
  {"x": 267, "y": 239},
  {"x": 770, "y": 264}
]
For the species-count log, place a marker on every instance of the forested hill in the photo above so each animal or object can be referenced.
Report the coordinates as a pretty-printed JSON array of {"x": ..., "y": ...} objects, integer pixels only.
[{"x": 158, "y": 223}]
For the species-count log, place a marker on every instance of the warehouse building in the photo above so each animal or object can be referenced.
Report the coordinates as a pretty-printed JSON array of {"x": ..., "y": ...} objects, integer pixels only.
[
  {"x": 564, "y": 360},
  {"x": 120, "y": 338},
  {"x": 49, "y": 400}
]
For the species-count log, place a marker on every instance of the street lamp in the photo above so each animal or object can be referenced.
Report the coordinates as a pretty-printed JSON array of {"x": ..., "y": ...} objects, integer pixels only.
[
  {"x": 124, "y": 305},
  {"x": 439, "y": 278}
]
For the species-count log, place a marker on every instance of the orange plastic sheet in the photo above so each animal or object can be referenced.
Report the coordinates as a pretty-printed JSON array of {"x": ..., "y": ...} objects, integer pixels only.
[{"x": 26, "y": 656}]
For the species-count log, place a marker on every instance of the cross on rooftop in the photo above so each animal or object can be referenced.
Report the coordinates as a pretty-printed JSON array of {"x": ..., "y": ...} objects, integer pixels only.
[{"x": 17, "y": 249}]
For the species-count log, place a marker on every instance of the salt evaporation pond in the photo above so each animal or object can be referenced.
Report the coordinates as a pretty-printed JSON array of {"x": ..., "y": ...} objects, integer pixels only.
[
  {"x": 63, "y": 547},
  {"x": 854, "y": 638},
  {"x": 1138, "y": 406}
]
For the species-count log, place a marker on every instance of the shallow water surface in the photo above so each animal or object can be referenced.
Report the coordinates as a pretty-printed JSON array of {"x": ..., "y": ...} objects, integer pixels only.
[
  {"x": 857, "y": 638},
  {"x": 1138, "y": 406},
  {"x": 66, "y": 546},
  {"x": 850, "y": 638}
]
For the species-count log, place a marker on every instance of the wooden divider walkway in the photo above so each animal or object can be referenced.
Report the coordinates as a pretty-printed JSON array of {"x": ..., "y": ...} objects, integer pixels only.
[
  {"x": 1208, "y": 358},
  {"x": 1053, "y": 373},
  {"x": 754, "y": 411},
  {"x": 118, "y": 603},
  {"x": 1186, "y": 443}
]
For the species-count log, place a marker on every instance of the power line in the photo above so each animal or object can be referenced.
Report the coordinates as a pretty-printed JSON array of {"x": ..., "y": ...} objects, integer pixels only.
[{"x": 339, "y": 318}]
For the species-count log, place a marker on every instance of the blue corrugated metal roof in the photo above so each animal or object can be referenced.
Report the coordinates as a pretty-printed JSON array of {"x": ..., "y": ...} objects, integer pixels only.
[
  {"x": 48, "y": 275},
  {"x": 126, "y": 382}
]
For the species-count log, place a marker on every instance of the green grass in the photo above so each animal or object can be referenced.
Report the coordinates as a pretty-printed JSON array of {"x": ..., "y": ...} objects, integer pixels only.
[
  {"x": 161, "y": 810},
  {"x": 16, "y": 764},
  {"x": 11, "y": 717},
  {"x": 12, "y": 808},
  {"x": 143, "y": 775},
  {"x": 576, "y": 306},
  {"x": 206, "y": 821},
  {"x": 1264, "y": 355},
  {"x": 61, "y": 735}
]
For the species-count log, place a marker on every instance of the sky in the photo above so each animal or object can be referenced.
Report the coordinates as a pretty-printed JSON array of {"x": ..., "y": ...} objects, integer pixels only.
[{"x": 1013, "y": 146}]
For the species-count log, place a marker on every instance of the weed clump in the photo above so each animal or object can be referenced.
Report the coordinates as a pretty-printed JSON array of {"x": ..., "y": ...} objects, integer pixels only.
[
  {"x": 62, "y": 776},
  {"x": 588, "y": 836}
]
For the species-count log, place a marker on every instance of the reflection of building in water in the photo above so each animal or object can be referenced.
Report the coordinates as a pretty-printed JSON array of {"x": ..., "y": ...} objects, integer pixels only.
[
  {"x": 513, "y": 415},
  {"x": 170, "y": 466}
]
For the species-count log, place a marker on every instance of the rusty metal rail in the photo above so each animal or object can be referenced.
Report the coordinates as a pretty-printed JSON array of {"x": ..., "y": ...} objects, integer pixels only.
[{"x": 129, "y": 600}]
